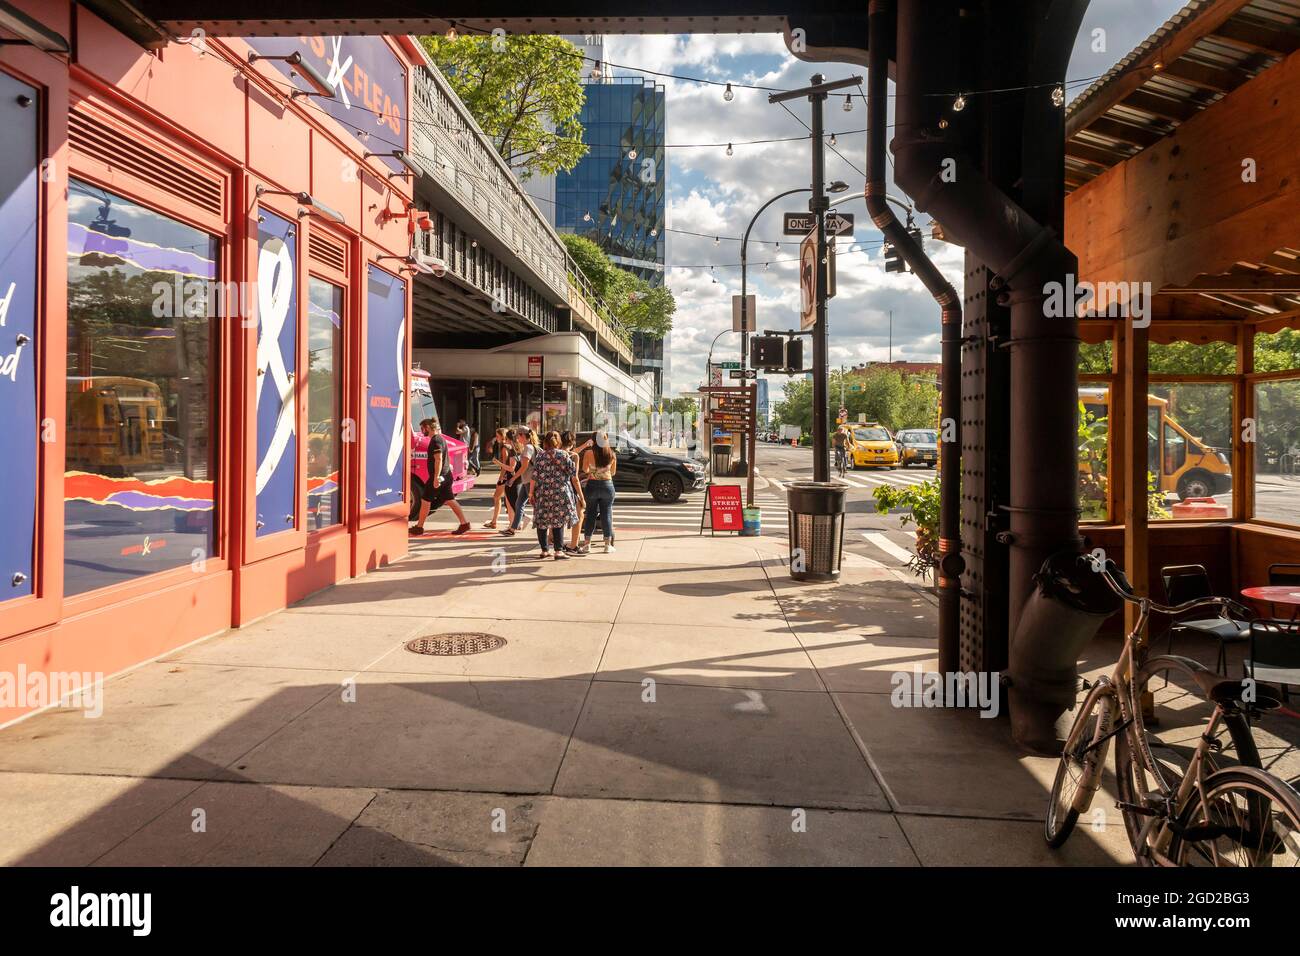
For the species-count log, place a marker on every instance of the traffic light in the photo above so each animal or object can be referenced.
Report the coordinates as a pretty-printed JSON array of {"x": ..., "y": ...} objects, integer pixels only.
[
  {"x": 894, "y": 259},
  {"x": 794, "y": 353},
  {"x": 768, "y": 352}
]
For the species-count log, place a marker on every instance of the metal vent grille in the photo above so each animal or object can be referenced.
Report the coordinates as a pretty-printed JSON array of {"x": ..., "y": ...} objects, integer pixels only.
[
  {"x": 328, "y": 251},
  {"x": 89, "y": 136},
  {"x": 455, "y": 644}
]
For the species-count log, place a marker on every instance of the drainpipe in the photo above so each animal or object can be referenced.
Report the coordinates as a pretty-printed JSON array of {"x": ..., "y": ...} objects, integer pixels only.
[
  {"x": 1042, "y": 516},
  {"x": 951, "y": 563}
]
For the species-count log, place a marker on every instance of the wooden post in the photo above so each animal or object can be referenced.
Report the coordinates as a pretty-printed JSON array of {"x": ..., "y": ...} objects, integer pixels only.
[{"x": 1136, "y": 543}]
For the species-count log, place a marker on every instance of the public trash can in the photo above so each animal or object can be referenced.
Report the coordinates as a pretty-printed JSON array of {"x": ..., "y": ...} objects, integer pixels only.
[
  {"x": 816, "y": 520},
  {"x": 721, "y": 460},
  {"x": 1062, "y": 614},
  {"x": 752, "y": 522}
]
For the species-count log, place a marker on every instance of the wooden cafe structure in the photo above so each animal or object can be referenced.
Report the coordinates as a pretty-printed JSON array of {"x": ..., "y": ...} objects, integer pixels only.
[{"x": 1183, "y": 171}]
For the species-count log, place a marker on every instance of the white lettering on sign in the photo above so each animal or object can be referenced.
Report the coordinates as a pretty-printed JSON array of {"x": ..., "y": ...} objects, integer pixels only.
[
  {"x": 338, "y": 69},
  {"x": 9, "y": 363}
]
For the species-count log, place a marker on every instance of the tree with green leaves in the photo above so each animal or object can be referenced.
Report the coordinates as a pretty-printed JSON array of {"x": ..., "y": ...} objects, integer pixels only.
[
  {"x": 525, "y": 92},
  {"x": 633, "y": 300}
]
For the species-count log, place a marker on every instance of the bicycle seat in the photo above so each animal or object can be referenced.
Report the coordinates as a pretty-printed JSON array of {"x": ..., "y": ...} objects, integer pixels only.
[{"x": 1233, "y": 691}]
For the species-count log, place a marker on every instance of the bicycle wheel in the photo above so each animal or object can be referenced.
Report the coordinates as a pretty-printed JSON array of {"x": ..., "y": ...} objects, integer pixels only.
[
  {"x": 1244, "y": 817},
  {"x": 1079, "y": 773},
  {"x": 1180, "y": 717}
]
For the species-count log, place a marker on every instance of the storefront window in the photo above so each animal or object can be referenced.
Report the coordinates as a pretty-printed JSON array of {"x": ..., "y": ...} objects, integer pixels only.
[
  {"x": 1094, "y": 452},
  {"x": 1189, "y": 449},
  {"x": 142, "y": 321},
  {"x": 1277, "y": 451},
  {"x": 324, "y": 397}
]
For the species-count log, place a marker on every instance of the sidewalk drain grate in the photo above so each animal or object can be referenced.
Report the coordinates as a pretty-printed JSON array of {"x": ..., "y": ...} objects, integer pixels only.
[{"x": 455, "y": 644}]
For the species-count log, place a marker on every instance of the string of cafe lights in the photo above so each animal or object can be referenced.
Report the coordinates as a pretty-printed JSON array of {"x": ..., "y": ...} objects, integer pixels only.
[
  {"x": 959, "y": 97},
  {"x": 717, "y": 238}
]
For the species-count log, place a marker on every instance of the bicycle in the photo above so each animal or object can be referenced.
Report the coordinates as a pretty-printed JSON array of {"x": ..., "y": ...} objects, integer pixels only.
[
  {"x": 1207, "y": 813},
  {"x": 841, "y": 460}
]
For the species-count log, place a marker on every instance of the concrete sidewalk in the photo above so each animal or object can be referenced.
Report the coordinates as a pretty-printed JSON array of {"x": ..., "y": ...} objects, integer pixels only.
[{"x": 681, "y": 701}]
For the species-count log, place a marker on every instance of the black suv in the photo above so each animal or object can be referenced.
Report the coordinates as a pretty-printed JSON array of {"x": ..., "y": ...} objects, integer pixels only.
[{"x": 666, "y": 477}]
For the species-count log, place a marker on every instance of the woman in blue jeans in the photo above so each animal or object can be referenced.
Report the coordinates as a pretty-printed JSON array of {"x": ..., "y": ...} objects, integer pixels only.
[{"x": 599, "y": 464}]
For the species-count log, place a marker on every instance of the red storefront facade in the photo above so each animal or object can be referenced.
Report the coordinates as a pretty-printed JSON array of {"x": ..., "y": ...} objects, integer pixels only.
[{"x": 204, "y": 455}]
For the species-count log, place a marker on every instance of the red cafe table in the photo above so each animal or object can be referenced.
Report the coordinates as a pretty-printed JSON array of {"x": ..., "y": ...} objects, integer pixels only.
[{"x": 1275, "y": 595}]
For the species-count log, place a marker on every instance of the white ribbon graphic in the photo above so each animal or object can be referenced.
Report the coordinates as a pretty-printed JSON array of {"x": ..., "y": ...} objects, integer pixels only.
[
  {"x": 274, "y": 292},
  {"x": 398, "y": 440}
]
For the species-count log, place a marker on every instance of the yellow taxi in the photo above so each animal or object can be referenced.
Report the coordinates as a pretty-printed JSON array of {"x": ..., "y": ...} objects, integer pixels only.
[{"x": 873, "y": 447}]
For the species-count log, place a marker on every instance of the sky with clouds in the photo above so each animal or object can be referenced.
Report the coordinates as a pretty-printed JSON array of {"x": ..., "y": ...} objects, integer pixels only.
[{"x": 715, "y": 194}]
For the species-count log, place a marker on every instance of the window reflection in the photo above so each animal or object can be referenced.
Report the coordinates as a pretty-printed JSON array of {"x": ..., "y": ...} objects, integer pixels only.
[
  {"x": 324, "y": 395},
  {"x": 141, "y": 355}
]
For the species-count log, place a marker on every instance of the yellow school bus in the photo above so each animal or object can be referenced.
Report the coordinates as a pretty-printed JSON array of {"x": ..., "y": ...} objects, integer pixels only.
[
  {"x": 115, "y": 425},
  {"x": 1184, "y": 464}
]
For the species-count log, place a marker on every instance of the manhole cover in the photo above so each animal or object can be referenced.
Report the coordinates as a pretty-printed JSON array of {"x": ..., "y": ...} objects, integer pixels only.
[{"x": 454, "y": 645}]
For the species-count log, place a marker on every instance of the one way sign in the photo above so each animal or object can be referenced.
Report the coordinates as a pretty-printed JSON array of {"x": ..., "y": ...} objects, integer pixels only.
[{"x": 802, "y": 223}]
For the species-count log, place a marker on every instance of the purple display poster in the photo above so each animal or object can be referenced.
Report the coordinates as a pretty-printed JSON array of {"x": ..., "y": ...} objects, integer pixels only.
[
  {"x": 20, "y": 112},
  {"x": 277, "y": 364},
  {"x": 385, "y": 388}
]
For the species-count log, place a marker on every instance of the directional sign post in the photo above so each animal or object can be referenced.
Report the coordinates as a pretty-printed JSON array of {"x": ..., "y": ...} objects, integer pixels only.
[{"x": 802, "y": 223}]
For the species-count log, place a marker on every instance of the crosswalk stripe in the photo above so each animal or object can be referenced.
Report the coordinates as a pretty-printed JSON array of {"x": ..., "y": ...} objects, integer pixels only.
[{"x": 881, "y": 541}]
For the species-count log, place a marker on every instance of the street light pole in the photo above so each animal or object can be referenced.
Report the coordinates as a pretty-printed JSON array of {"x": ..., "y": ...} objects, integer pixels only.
[{"x": 817, "y": 205}]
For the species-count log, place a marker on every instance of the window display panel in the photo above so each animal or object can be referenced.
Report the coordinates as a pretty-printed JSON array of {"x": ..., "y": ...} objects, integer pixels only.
[
  {"x": 143, "y": 316},
  {"x": 324, "y": 398}
]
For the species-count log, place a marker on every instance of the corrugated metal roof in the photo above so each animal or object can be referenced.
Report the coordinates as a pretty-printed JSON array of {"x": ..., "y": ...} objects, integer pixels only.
[{"x": 1198, "y": 56}]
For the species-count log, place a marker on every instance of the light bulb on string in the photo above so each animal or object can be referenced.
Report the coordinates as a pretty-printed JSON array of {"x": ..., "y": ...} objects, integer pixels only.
[
  {"x": 1058, "y": 96},
  {"x": 728, "y": 94},
  {"x": 730, "y": 151},
  {"x": 595, "y": 71},
  {"x": 833, "y": 139},
  {"x": 451, "y": 32},
  {"x": 543, "y": 148},
  {"x": 959, "y": 103},
  {"x": 848, "y": 104},
  {"x": 586, "y": 216},
  {"x": 712, "y": 276},
  {"x": 631, "y": 154},
  {"x": 717, "y": 240}
]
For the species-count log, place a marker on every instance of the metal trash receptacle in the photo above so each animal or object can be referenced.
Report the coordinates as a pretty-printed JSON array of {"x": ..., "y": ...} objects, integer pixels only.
[
  {"x": 721, "y": 460},
  {"x": 816, "y": 520}
]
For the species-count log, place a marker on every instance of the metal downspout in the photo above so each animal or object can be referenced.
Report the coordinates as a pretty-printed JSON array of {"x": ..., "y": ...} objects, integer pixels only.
[{"x": 951, "y": 563}]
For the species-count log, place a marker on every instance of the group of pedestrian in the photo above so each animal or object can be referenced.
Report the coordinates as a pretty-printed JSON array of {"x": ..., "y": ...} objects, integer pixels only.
[{"x": 570, "y": 487}]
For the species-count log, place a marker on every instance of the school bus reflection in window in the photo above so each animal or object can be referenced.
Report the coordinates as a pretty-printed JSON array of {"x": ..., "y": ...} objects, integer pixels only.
[
  {"x": 324, "y": 394},
  {"x": 142, "y": 320}
]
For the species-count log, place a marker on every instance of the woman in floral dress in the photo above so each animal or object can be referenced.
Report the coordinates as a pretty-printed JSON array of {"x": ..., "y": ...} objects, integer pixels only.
[{"x": 557, "y": 496}]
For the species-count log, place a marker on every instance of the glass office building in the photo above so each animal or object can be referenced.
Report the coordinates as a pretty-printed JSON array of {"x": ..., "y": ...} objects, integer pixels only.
[{"x": 615, "y": 196}]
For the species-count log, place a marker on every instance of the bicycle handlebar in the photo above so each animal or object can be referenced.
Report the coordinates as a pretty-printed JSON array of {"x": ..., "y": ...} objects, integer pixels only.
[{"x": 1127, "y": 594}]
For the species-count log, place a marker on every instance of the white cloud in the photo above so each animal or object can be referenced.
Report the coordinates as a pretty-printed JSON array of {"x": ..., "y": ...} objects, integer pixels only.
[{"x": 716, "y": 195}]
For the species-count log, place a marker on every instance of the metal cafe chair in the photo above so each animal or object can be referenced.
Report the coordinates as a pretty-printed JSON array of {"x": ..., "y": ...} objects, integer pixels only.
[
  {"x": 1284, "y": 575},
  {"x": 1274, "y": 653},
  {"x": 1189, "y": 582}
]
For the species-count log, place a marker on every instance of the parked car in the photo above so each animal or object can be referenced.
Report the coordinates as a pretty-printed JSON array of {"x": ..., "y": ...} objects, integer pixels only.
[
  {"x": 919, "y": 446},
  {"x": 666, "y": 477},
  {"x": 873, "y": 446}
]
